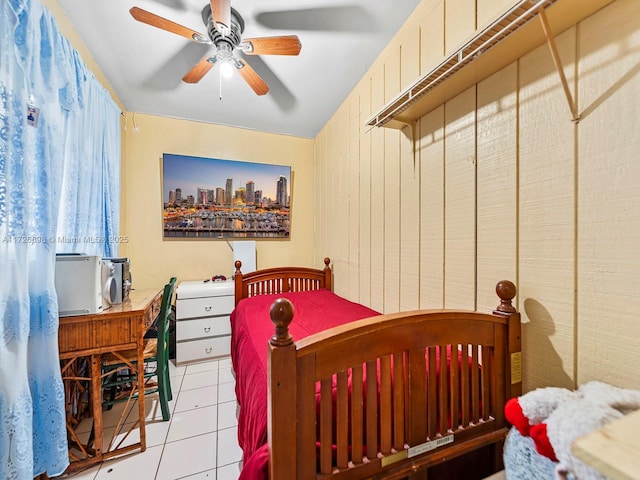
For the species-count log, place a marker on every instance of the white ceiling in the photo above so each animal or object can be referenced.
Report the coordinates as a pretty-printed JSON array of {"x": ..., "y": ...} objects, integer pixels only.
[{"x": 145, "y": 65}]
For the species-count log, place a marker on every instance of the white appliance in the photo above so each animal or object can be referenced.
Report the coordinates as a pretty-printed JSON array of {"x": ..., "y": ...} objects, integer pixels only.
[{"x": 80, "y": 282}]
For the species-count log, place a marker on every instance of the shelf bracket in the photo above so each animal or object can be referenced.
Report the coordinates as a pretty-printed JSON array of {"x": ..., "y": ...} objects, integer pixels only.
[
  {"x": 409, "y": 131},
  {"x": 575, "y": 116}
]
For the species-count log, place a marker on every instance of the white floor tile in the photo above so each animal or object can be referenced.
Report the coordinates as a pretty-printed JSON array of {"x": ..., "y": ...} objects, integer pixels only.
[
  {"x": 226, "y": 392},
  {"x": 227, "y": 415},
  {"x": 88, "y": 474},
  {"x": 208, "y": 475},
  {"x": 225, "y": 375},
  {"x": 187, "y": 457},
  {"x": 229, "y": 472},
  {"x": 192, "y": 422},
  {"x": 202, "y": 367},
  {"x": 110, "y": 417},
  {"x": 152, "y": 409},
  {"x": 141, "y": 466},
  {"x": 197, "y": 398},
  {"x": 156, "y": 434},
  {"x": 175, "y": 370},
  {"x": 229, "y": 452},
  {"x": 199, "y": 380}
]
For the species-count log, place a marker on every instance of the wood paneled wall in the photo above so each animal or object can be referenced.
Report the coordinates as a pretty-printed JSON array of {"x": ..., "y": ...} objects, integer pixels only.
[{"x": 503, "y": 185}]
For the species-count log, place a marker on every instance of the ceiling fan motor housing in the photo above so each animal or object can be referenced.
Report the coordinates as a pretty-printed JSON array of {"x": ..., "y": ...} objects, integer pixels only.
[{"x": 233, "y": 36}]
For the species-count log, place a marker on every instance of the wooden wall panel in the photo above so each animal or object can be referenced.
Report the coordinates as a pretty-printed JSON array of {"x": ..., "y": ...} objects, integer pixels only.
[
  {"x": 353, "y": 186},
  {"x": 364, "y": 175},
  {"x": 459, "y": 23},
  {"x": 392, "y": 193},
  {"x": 338, "y": 196},
  {"x": 322, "y": 224},
  {"x": 547, "y": 218},
  {"x": 460, "y": 201},
  {"x": 488, "y": 10},
  {"x": 409, "y": 57},
  {"x": 432, "y": 38},
  {"x": 550, "y": 204},
  {"x": 377, "y": 198},
  {"x": 409, "y": 226},
  {"x": 497, "y": 200},
  {"x": 609, "y": 197},
  {"x": 431, "y": 155}
]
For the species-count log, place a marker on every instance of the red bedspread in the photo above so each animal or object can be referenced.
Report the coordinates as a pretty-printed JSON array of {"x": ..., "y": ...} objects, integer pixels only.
[{"x": 251, "y": 329}]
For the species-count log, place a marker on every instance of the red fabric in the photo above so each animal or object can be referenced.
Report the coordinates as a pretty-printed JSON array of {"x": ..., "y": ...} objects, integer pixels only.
[
  {"x": 251, "y": 329},
  {"x": 540, "y": 438},
  {"x": 515, "y": 416}
]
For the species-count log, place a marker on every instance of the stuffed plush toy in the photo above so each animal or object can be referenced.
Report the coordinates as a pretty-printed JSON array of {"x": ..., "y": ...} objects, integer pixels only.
[{"x": 554, "y": 417}]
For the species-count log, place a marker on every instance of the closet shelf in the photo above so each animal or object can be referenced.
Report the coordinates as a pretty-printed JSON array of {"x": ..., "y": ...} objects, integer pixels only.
[{"x": 503, "y": 41}]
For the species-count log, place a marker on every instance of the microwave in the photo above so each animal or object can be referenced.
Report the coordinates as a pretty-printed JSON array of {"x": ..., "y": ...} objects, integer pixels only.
[{"x": 84, "y": 284}]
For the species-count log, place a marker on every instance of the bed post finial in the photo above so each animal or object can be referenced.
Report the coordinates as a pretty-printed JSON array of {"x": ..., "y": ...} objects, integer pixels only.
[
  {"x": 238, "y": 264},
  {"x": 281, "y": 313},
  {"x": 506, "y": 290}
]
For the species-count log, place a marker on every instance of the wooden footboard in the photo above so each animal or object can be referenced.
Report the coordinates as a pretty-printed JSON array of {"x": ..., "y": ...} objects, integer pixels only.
[{"x": 389, "y": 396}]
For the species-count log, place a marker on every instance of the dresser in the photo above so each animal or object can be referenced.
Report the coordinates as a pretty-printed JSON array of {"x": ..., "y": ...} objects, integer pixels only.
[{"x": 203, "y": 330}]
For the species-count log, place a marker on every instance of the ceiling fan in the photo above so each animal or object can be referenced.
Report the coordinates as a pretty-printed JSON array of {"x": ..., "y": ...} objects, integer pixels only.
[{"x": 224, "y": 32}]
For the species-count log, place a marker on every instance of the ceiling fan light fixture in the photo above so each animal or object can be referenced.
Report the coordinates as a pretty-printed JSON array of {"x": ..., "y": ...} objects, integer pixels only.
[{"x": 226, "y": 69}]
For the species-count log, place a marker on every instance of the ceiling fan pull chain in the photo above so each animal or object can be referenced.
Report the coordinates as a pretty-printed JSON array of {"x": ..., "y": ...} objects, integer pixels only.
[{"x": 220, "y": 77}]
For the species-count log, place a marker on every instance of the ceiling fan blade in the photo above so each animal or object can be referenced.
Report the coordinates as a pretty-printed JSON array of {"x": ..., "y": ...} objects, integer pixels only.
[
  {"x": 200, "y": 69},
  {"x": 164, "y": 24},
  {"x": 221, "y": 11},
  {"x": 282, "y": 45},
  {"x": 252, "y": 78}
]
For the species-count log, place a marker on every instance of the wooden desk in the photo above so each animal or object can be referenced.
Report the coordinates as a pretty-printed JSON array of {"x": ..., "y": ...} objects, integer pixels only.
[
  {"x": 87, "y": 337},
  {"x": 613, "y": 450}
]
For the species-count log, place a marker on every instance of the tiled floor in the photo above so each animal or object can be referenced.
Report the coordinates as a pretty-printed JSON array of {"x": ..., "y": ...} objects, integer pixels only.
[{"x": 198, "y": 442}]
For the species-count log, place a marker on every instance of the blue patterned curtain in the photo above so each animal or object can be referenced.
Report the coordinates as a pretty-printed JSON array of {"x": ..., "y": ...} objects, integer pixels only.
[{"x": 59, "y": 177}]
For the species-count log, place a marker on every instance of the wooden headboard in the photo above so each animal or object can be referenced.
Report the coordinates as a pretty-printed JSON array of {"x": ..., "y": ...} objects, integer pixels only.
[{"x": 280, "y": 280}]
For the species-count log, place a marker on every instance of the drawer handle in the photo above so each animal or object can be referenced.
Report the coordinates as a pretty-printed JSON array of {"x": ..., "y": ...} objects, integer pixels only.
[
  {"x": 207, "y": 329},
  {"x": 208, "y": 350},
  {"x": 206, "y": 309}
]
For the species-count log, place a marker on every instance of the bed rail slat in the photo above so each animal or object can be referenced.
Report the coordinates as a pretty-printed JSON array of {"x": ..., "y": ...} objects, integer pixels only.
[
  {"x": 326, "y": 418},
  {"x": 432, "y": 419},
  {"x": 443, "y": 386},
  {"x": 307, "y": 410},
  {"x": 475, "y": 385},
  {"x": 465, "y": 393},
  {"x": 342, "y": 420},
  {"x": 485, "y": 383},
  {"x": 372, "y": 409},
  {"x": 398, "y": 401},
  {"x": 418, "y": 397},
  {"x": 385, "y": 405},
  {"x": 454, "y": 386},
  {"x": 357, "y": 415}
]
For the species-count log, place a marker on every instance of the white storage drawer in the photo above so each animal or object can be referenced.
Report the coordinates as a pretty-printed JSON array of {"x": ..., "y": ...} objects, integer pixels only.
[
  {"x": 204, "y": 307},
  {"x": 203, "y": 327},
  {"x": 203, "y": 349}
]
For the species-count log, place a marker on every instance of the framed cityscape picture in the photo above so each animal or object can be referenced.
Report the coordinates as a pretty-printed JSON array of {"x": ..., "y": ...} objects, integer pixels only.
[{"x": 211, "y": 198}]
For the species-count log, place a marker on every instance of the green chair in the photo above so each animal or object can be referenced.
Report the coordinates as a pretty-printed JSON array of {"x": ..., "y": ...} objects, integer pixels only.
[{"x": 119, "y": 372}]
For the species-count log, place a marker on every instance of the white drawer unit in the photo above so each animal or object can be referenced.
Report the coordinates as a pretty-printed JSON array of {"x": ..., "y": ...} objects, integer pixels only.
[{"x": 203, "y": 330}]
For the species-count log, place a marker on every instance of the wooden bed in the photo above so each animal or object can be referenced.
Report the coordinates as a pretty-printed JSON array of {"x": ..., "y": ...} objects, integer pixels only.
[{"x": 375, "y": 398}]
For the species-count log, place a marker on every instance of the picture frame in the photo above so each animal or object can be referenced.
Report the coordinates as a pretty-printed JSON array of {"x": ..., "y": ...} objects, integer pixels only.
[{"x": 213, "y": 198}]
